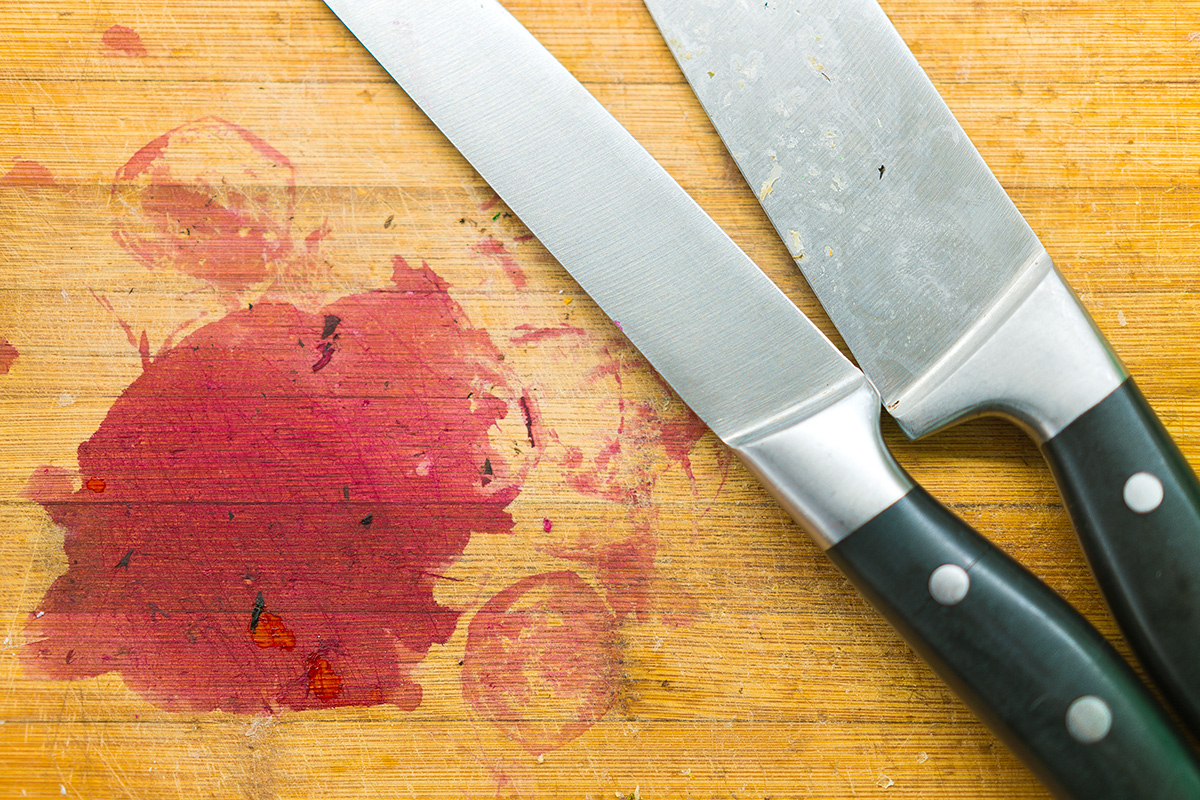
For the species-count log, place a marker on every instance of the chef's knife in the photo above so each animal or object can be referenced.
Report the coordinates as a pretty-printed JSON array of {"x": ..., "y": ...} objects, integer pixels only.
[
  {"x": 945, "y": 296},
  {"x": 771, "y": 386}
]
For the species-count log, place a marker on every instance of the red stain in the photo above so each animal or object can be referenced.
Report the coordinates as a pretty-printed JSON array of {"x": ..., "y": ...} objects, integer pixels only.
[
  {"x": 239, "y": 485},
  {"x": 8, "y": 354},
  {"x": 494, "y": 249},
  {"x": 141, "y": 342},
  {"x": 269, "y": 631},
  {"x": 28, "y": 174},
  {"x": 541, "y": 660},
  {"x": 49, "y": 485},
  {"x": 624, "y": 570},
  {"x": 96, "y": 485},
  {"x": 322, "y": 680},
  {"x": 124, "y": 41},
  {"x": 678, "y": 434},
  {"x": 312, "y": 242},
  {"x": 530, "y": 334},
  {"x": 617, "y": 466},
  {"x": 196, "y": 199},
  {"x": 547, "y": 525}
]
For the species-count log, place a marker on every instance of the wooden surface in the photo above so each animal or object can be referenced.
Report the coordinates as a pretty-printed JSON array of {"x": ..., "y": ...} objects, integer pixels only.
[{"x": 669, "y": 632}]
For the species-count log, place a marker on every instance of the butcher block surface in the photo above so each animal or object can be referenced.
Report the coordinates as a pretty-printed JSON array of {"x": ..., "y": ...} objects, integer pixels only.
[{"x": 319, "y": 477}]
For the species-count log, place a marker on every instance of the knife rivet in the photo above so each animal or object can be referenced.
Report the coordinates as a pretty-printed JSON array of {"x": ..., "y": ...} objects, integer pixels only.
[
  {"x": 1143, "y": 492},
  {"x": 949, "y": 584},
  {"x": 1089, "y": 719}
]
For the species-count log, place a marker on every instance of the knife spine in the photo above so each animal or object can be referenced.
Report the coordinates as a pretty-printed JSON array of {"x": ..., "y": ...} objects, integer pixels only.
[
  {"x": 848, "y": 475},
  {"x": 1039, "y": 361}
]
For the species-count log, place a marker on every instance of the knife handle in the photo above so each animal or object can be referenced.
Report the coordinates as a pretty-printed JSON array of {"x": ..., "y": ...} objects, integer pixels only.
[
  {"x": 1135, "y": 504},
  {"x": 1034, "y": 670}
]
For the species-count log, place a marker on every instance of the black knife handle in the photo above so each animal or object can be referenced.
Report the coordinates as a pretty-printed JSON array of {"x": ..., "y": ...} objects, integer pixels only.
[
  {"x": 1025, "y": 661},
  {"x": 1135, "y": 504}
]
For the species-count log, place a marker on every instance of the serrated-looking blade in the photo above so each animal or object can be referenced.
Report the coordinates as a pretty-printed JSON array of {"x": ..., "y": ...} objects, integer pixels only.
[
  {"x": 904, "y": 234},
  {"x": 718, "y": 330}
]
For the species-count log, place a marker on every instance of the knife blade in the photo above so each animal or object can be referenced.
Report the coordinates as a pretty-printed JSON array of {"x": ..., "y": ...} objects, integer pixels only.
[
  {"x": 771, "y": 386},
  {"x": 942, "y": 291}
]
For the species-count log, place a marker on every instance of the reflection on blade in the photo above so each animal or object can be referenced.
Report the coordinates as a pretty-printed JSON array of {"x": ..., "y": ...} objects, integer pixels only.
[{"x": 717, "y": 329}]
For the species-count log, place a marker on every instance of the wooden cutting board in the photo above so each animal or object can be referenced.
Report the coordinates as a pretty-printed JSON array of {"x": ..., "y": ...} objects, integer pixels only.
[{"x": 320, "y": 478}]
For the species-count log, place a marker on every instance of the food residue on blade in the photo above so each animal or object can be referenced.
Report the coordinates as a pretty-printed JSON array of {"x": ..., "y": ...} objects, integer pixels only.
[{"x": 769, "y": 184}]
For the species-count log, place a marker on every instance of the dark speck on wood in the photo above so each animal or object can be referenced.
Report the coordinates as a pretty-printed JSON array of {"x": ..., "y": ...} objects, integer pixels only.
[
  {"x": 528, "y": 420},
  {"x": 331, "y": 323},
  {"x": 260, "y": 605},
  {"x": 124, "y": 562},
  {"x": 367, "y": 520}
]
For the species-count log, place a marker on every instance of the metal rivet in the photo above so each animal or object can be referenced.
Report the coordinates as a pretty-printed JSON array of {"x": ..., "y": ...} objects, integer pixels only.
[
  {"x": 1089, "y": 719},
  {"x": 949, "y": 584},
  {"x": 1143, "y": 492}
]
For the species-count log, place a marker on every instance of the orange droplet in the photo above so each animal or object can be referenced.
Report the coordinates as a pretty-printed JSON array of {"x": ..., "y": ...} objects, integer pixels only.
[
  {"x": 271, "y": 632},
  {"x": 96, "y": 485},
  {"x": 322, "y": 680}
]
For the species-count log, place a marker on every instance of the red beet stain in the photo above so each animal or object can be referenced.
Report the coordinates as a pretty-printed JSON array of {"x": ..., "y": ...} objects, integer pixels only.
[
  {"x": 269, "y": 631},
  {"x": 494, "y": 250},
  {"x": 27, "y": 174},
  {"x": 121, "y": 40},
  {"x": 624, "y": 569},
  {"x": 199, "y": 199},
  {"x": 323, "y": 682},
  {"x": 541, "y": 661},
  {"x": 237, "y": 484},
  {"x": 8, "y": 354}
]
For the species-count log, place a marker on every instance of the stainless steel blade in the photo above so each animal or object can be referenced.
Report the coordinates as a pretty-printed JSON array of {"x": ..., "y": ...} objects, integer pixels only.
[
  {"x": 905, "y": 235},
  {"x": 717, "y": 329},
  {"x": 737, "y": 351}
]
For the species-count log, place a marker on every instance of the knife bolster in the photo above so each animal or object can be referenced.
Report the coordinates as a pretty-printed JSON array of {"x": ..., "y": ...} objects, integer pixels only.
[
  {"x": 1036, "y": 357},
  {"x": 830, "y": 470}
]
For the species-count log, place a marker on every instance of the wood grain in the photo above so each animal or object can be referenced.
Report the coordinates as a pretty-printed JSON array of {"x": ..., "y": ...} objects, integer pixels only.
[{"x": 780, "y": 682}]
